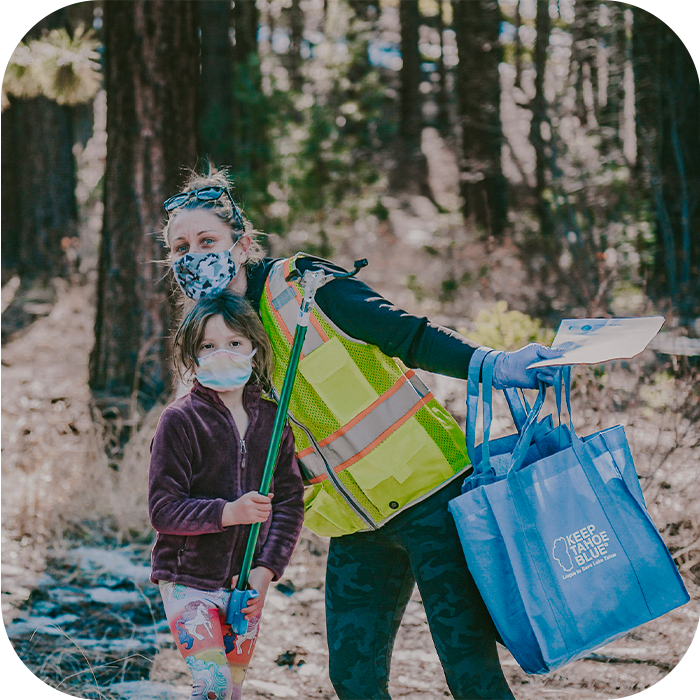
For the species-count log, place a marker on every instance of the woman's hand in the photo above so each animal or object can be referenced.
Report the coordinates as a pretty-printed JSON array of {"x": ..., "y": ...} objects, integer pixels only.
[
  {"x": 251, "y": 507},
  {"x": 511, "y": 368},
  {"x": 259, "y": 580}
]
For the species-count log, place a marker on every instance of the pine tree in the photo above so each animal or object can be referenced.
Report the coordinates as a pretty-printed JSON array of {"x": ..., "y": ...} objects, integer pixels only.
[
  {"x": 38, "y": 168},
  {"x": 668, "y": 137},
  {"x": 151, "y": 76},
  {"x": 216, "y": 83},
  {"x": 483, "y": 185}
]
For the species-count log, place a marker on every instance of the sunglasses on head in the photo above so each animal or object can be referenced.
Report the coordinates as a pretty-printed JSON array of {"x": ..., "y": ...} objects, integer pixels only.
[{"x": 205, "y": 194}]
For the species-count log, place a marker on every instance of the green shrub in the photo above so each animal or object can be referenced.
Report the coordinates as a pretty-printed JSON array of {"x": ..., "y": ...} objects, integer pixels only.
[{"x": 501, "y": 329}]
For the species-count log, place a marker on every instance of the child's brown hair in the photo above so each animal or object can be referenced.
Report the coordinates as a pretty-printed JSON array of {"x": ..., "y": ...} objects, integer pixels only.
[{"x": 239, "y": 316}]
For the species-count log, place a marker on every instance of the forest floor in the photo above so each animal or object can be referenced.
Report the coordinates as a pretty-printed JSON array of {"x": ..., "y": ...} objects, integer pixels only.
[{"x": 76, "y": 600}]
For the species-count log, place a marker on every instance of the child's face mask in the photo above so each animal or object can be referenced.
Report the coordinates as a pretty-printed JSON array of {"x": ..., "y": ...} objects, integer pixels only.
[
  {"x": 225, "y": 370},
  {"x": 199, "y": 274}
]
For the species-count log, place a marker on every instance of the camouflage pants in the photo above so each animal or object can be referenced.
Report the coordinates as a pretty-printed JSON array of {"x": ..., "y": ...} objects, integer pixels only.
[{"x": 369, "y": 581}]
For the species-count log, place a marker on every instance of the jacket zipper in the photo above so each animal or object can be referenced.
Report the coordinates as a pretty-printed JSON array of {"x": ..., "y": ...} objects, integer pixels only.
[
  {"x": 235, "y": 528},
  {"x": 179, "y": 553},
  {"x": 359, "y": 510}
]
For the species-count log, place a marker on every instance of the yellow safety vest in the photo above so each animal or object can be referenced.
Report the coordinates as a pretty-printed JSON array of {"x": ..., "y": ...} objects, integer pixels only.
[{"x": 370, "y": 438}]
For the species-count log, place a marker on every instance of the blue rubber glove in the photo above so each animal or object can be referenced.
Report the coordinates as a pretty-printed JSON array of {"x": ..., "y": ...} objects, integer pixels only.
[{"x": 511, "y": 370}]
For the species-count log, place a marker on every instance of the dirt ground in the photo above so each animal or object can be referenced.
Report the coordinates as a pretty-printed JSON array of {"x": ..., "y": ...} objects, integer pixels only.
[{"x": 58, "y": 493}]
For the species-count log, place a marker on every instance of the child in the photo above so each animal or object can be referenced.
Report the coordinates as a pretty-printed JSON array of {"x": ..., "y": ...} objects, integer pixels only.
[{"x": 207, "y": 459}]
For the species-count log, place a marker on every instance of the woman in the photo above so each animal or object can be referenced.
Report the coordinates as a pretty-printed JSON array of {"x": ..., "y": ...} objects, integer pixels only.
[{"x": 381, "y": 456}]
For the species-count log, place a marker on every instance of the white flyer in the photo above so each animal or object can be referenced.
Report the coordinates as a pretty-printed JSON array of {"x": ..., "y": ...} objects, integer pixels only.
[{"x": 588, "y": 341}]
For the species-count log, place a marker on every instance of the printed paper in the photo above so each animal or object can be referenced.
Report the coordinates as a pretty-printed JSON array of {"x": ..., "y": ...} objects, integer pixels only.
[{"x": 588, "y": 341}]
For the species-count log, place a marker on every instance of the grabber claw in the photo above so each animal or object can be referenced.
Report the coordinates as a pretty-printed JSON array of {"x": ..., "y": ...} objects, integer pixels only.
[{"x": 234, "y": 614}]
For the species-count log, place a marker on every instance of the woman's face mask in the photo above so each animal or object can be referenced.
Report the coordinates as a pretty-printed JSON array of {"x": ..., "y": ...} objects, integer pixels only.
[
  {"x": 224, "y": 370},
  {"x": 199, "y": 274}
]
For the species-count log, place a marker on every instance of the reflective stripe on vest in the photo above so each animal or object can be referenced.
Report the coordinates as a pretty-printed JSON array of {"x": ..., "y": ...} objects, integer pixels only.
[{"x": 355, "y": 439}]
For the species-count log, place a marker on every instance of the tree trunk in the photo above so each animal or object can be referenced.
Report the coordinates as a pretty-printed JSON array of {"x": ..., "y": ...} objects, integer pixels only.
[
  {"x": 411, "y": 170},
  {"x": 613, "y": 97},
  {"x": 668, "y": 115},
  {"x": 539, "y": 116},
  {"x": 443, "y": 115},
  {"x": 245, "y": 19},
  {"x": 296, "y": 35},
  {"x": 151, "y": 76},
  {"x": 360, "y": 30},
  {"x": 483, "y": 185},
  {"x": 518, "y": 47},
  {"x": 38, "y": 211},
  {"x": 216, "y": 83},
  {"x": 584, "y": 57},
  {"x": 251, "y": 116}
]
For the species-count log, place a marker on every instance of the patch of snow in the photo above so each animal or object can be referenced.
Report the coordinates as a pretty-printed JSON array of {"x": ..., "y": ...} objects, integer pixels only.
[
  {"x": 310, "y": 669},
  {"x": 114, "y": 561},
  {"x": 278, "y": 602},
  {"x": 106, "y": 595},
  {"x": 148, "y": 690},
  {"x": 160, "y": 626},
  {"x": 279, "y": 691},
  {"x": 66, "y": 596},
  {"x": 11, "y": 569},
  {"x": 307, "y": 595},
  {"x": 44, "y": 625},
  {"x": 115, "y": 645}
]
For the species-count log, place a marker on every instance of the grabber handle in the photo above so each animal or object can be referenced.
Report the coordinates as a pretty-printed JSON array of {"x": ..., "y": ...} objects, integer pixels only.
[
  {"x": 311, "y": 282},
  {"x": 234, "y": 613}
]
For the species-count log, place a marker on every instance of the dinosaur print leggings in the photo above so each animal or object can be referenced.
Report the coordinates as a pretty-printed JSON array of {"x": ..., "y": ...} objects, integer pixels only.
[{"x": 216, "y": 656}]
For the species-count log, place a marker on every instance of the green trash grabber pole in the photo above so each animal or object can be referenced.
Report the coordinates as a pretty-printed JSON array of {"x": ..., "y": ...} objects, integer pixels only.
[{"x": 311, "y": 282}]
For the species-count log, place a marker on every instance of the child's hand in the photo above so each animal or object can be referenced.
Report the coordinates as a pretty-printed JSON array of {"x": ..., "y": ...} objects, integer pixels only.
[
  {"x": 259, "y": 579},
  {"x": 251, "y": 507}
]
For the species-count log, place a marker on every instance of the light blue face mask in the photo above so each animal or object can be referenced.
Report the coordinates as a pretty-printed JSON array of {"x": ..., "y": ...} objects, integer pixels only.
[{"x": 224, "y": 370}]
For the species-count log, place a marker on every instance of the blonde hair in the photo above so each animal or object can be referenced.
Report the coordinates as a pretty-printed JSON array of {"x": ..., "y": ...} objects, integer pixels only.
[
  {"x": 238, "y": 315},
  {"x": 222, "y": 208}
]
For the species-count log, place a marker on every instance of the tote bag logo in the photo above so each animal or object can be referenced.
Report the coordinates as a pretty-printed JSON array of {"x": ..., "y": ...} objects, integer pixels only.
[
  {"x": 581, "y": 550},
  {"x": 561, "y": 553}
]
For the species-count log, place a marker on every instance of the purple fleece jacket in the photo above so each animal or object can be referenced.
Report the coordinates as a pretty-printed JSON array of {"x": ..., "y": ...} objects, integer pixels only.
[{"x": 198, "y": 463}]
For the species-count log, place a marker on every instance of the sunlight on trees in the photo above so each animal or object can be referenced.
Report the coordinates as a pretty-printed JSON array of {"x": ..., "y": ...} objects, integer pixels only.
[{"x": 59, "y": 66}]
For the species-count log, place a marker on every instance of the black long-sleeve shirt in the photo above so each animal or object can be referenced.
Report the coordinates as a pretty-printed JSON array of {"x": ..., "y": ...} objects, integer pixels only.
[{"x": 363, "y": 314}]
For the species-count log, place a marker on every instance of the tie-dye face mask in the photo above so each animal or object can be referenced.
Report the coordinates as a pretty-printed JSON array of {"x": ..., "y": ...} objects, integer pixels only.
[
  {"x": 225, "y": 370},
  {"x": 199, "y": 274}
]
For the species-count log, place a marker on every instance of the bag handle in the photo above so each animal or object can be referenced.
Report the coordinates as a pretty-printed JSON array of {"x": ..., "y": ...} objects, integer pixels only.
[
  {"x": 564, "y": 377},
  {"x": 523, "y": 444},
  {"x": 487, "y": 367},
  {"x": 487, "y": 410},
  {"x": 519, "y": 407},
  {"x": 473, "y": 375}
]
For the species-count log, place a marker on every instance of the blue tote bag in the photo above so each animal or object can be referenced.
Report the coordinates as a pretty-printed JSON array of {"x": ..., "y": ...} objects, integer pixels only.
[{"x": 561, "y": 546}]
